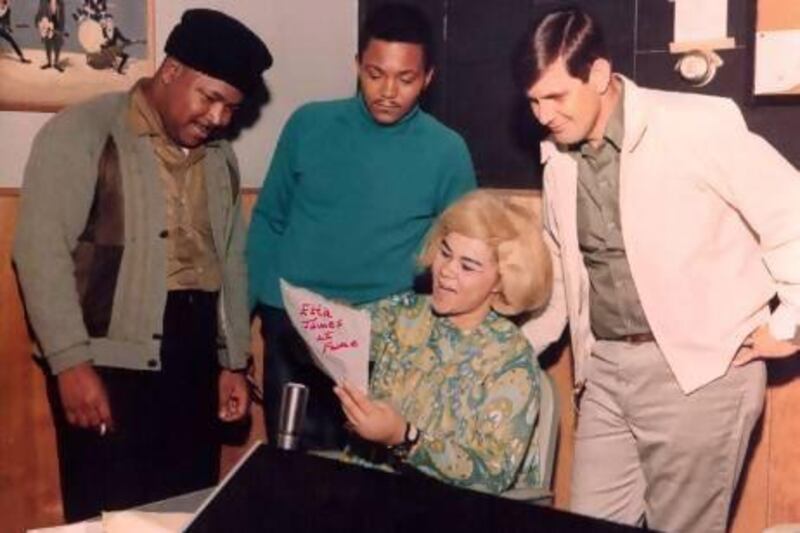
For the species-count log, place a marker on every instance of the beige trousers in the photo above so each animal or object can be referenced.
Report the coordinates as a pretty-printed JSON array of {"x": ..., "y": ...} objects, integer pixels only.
[{"x": 645, "y": 450}]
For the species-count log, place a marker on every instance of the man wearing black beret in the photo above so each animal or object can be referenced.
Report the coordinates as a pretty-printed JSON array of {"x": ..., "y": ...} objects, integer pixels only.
[{"x": 129, "y": 252}]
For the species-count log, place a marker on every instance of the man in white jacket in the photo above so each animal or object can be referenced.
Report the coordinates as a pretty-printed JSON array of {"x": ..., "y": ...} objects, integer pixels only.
[{"x": 671, "y": 228}]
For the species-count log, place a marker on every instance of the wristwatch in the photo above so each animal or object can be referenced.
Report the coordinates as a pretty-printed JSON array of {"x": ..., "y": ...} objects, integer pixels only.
[{"x": 410, "y": 438}]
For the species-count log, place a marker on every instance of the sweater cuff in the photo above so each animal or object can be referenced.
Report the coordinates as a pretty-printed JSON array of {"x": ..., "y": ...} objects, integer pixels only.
[
  {"x": 242, "y": 362},
  {"x": 66, "y": 359}
]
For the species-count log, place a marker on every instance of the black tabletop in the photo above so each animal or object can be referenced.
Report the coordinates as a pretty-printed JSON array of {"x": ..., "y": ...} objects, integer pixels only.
[{"x": 288, "y": 491}]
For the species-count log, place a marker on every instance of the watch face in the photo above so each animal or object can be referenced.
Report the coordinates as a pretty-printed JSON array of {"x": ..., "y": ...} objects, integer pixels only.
[{"x": 412, "y": 434}]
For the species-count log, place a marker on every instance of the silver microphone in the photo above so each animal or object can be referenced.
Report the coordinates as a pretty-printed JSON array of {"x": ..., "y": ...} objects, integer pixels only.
[{"x": 292, "y": 416}]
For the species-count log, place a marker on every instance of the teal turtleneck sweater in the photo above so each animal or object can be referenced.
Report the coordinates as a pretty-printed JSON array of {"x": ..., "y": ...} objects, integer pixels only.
[{"x": 347, "y": 201}]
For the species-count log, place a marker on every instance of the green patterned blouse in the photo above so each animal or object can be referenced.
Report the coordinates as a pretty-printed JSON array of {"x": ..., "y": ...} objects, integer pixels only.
[{"x": 474, "y": 395}]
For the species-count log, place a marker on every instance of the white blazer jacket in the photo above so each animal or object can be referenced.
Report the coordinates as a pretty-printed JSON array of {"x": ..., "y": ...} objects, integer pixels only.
[{"x": 711, "y": 224}]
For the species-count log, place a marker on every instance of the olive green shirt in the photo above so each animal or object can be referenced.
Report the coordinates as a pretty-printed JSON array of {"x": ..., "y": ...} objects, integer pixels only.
[
  {"x": 614, "y": 306},
  {"x": 191, "y": 256}
]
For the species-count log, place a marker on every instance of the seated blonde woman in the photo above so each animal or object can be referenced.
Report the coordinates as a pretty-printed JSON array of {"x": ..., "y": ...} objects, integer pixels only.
[{"x": 454, "y": 390}]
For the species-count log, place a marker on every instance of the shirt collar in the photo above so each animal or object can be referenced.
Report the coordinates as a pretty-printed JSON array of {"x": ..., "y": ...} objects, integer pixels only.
[
  {"x": 481, "y": 330},
  {"x": 615, "y": 130},
  {"x": 143, "y": 118}
]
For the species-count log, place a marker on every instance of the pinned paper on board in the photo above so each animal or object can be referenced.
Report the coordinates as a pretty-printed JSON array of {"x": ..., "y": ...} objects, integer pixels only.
[
  {"x": 776, "y": 55},
  {"x": 777, "y": 68},
  {"x": 338, "y": 336},
  {"x": 701, "y": 25}
]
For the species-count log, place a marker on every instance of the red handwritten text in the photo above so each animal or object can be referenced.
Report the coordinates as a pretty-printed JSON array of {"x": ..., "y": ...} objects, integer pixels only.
[{"x": 336, "y": 346}]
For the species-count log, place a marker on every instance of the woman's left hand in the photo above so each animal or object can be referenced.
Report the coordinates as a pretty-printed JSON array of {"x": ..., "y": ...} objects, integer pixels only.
[{"x": 373, "y": 420}]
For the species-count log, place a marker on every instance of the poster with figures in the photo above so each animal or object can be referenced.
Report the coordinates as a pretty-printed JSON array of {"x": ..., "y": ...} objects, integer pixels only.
[
  {"x": 337, "y": 335},
  {"x": 54, "y": 53}
]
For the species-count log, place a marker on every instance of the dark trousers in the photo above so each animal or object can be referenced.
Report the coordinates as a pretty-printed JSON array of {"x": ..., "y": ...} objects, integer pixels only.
[
  {"x": 166, "y": 437},
  {"x": 287, "y": 359},
  {"x": 5, "y": 34},
  {"x": 52, "y": 48}
]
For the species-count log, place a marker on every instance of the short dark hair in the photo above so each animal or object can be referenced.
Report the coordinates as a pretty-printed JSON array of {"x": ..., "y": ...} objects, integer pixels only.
[
  {"x": 398, "y": 23},
  {"x": 570, "y": 34}
]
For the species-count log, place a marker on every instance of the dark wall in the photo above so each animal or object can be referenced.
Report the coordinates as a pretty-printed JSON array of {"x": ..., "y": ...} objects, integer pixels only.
[{"x": 474, "y": 92}]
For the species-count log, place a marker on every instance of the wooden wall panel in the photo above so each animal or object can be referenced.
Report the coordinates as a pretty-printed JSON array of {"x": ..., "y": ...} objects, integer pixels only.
[
  {"x": 561, "y": 372},
  {"x": 232, "y": 453},
  {"x": 29, "y": 494},
  {"x": 783, "y": 468}
]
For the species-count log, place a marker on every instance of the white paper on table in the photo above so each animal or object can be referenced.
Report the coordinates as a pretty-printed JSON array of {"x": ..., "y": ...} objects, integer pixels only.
[
  {"x": 144, "y": 522},
  {"x": 700, "y": 20},
  {"x": 777, "y": 61},
  {"x": 125, "y": 522},
  {"x": 337, "y": 335},
  {"x": 89, "y": 526}
]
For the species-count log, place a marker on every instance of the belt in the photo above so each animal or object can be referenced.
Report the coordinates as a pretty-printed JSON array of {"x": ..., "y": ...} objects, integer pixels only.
[{"x": 634, "y": 338}]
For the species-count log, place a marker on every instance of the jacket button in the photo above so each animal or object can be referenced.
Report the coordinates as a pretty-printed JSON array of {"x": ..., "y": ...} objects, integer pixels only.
[
  {"x": 163, "y": 234},
  {"x": 152, "y": 363}
]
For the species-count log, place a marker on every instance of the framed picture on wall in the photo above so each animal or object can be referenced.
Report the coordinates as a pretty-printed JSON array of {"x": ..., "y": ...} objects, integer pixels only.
[
  {"x": 54, "y": 53},
  {"x": 776, "y": 52}
]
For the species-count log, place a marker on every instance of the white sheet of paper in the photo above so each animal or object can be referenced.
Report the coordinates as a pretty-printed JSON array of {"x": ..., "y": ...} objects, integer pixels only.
[
  {"x": 700, "y": 20},
  {"x": 125, "y": 522},
  {"x": 89, "y": 526},
  {"x": 777, "y": 61},
  {"x": 337, "y": 335},
  {"x": 144, "y": 522}
]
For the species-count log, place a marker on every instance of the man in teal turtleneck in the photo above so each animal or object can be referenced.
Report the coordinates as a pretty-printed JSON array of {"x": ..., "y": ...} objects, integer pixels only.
[{"x": 351, "y": 191}]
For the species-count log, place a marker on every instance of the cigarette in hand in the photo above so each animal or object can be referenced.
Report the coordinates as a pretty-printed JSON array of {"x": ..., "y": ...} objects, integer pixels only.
[{"x": 102, "y": 429}]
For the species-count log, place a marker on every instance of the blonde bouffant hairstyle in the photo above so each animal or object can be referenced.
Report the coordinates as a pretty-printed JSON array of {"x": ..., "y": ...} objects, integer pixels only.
[{"x": 526, "y": 271}]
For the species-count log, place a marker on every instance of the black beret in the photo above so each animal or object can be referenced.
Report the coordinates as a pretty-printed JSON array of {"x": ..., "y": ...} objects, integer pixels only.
[{"x": 219, "y": 46}]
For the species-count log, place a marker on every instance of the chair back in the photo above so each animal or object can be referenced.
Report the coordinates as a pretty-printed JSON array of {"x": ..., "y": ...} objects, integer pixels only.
[
  {"x": 549, "y": 415},
  {"x": 547, "y": 439}
]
